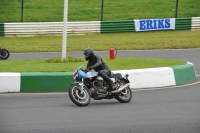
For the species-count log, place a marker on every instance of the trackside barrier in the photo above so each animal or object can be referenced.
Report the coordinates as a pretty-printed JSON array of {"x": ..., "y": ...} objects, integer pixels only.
[
  {"x": 195, "y": 23},
  {"x": 120, "y": 26},
  {"x": 147, "y": 78},
  {"x": 60, "y": 81},
  {"x": 46, "y": 82},
  {"x": 10, "y": 82},
  {"x": 1, "y": 29},
  {"x": 184, "y": 73},
  {"x": 93, "y": 27},
  {"x": 183, "y": 23},
  {"x": 51, "y": 28},
  {"x": 160, "y": 77}
]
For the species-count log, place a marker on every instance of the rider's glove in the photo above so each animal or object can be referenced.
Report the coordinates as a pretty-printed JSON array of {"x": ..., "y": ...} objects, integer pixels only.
[
  {"x": 90, "y": 68},
  {"x": 87, "y": 70}
]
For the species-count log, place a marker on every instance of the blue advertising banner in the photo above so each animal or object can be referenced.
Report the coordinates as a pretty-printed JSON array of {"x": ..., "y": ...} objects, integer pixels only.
[{"x": 155, "y": 24}]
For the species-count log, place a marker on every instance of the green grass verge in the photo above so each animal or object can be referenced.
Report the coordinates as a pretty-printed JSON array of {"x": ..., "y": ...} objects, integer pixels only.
[
  {"x": 89, "y": 10},
  {"x": 125, "y": 41},
  {"x": 120, "y": 63}
]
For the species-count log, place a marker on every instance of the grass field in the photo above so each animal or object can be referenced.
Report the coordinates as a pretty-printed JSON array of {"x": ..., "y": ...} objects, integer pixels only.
[
  {"x": 88, "y": 10},
  {"x": 125, "y": 41}
]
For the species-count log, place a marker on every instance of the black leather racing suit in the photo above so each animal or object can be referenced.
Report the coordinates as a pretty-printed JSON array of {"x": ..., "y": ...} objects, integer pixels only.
[{"x": 95, "y": 62}]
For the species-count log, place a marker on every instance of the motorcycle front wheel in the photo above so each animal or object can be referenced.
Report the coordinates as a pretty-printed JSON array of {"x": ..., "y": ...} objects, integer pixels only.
[
  {"x": 76, "y": 96},
  {"x": 124, "y": 96},
  {"x": 4, "y": 54}
]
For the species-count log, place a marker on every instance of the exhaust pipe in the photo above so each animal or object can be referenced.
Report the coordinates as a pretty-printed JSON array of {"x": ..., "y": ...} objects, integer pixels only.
[{"x": 121, "y": 89}]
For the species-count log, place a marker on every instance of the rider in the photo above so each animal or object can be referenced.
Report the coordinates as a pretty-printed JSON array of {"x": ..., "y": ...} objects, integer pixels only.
[{"x": 96, "y": 63}]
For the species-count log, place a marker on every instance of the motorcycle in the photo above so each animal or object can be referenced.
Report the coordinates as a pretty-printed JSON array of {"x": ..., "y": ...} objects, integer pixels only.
[
  {"x": 4, "y": 53},
  {"x": 89, "y": 85}
]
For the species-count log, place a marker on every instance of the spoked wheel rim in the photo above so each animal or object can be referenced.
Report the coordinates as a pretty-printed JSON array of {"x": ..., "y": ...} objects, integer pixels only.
[
  {"x": 81, "y": 98},
  {"x": 125, "y": 94}
]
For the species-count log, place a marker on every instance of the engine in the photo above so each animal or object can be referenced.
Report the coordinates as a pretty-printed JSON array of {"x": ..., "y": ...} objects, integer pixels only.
[
  {"x": 97, "y": 85},
  {"x": 98, "y": 82}
]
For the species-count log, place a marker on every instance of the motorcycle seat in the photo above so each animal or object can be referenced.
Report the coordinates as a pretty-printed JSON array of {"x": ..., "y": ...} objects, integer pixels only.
[{"x": 116, "y": 75}]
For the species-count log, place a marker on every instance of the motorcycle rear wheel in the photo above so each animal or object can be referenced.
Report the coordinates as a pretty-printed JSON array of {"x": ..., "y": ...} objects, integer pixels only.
[
  {"x": 124, "y": 96},
  {"x": 4, "y": 54},
  {"x": 76, "y": 96}
]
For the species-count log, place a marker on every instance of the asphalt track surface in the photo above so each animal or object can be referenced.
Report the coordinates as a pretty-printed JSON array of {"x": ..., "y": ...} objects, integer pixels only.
[{"x": 156, "y": 110}]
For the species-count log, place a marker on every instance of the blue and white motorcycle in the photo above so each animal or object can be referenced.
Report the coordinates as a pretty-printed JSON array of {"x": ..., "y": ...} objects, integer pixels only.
[{"x": 89, "y": 85}]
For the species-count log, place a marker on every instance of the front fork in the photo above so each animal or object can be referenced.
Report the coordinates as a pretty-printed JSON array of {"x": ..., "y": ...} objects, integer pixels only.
[{"x": 81, "y": 84}]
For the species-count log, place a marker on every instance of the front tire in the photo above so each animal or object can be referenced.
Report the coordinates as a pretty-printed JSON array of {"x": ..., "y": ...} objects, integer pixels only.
[
  {"x": 76, "y": 96},
  {"x": 124, "y": 96},
  {"x": 4, "y": 54}
]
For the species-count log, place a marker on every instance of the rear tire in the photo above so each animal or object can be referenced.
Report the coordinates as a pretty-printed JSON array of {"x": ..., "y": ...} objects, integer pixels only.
[
  {"x": 124, "y": 96},
  {"x": 76, "y": 96}
]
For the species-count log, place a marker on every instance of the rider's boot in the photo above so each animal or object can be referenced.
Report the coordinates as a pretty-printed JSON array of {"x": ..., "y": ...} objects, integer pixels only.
[
  {"x": 112, "y": 86},
  {"x": 109, "y": 81}
]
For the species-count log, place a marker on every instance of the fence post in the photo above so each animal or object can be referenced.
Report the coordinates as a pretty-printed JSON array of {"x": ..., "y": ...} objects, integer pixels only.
[
  {"x": 22, "y": 11},
  {"x": 102, "y": 4},
  {"x": 176, "y": 12}
]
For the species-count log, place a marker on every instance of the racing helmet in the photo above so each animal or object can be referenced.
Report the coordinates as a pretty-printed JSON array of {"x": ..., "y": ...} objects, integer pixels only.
[{"x": 88, "y": 52}]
